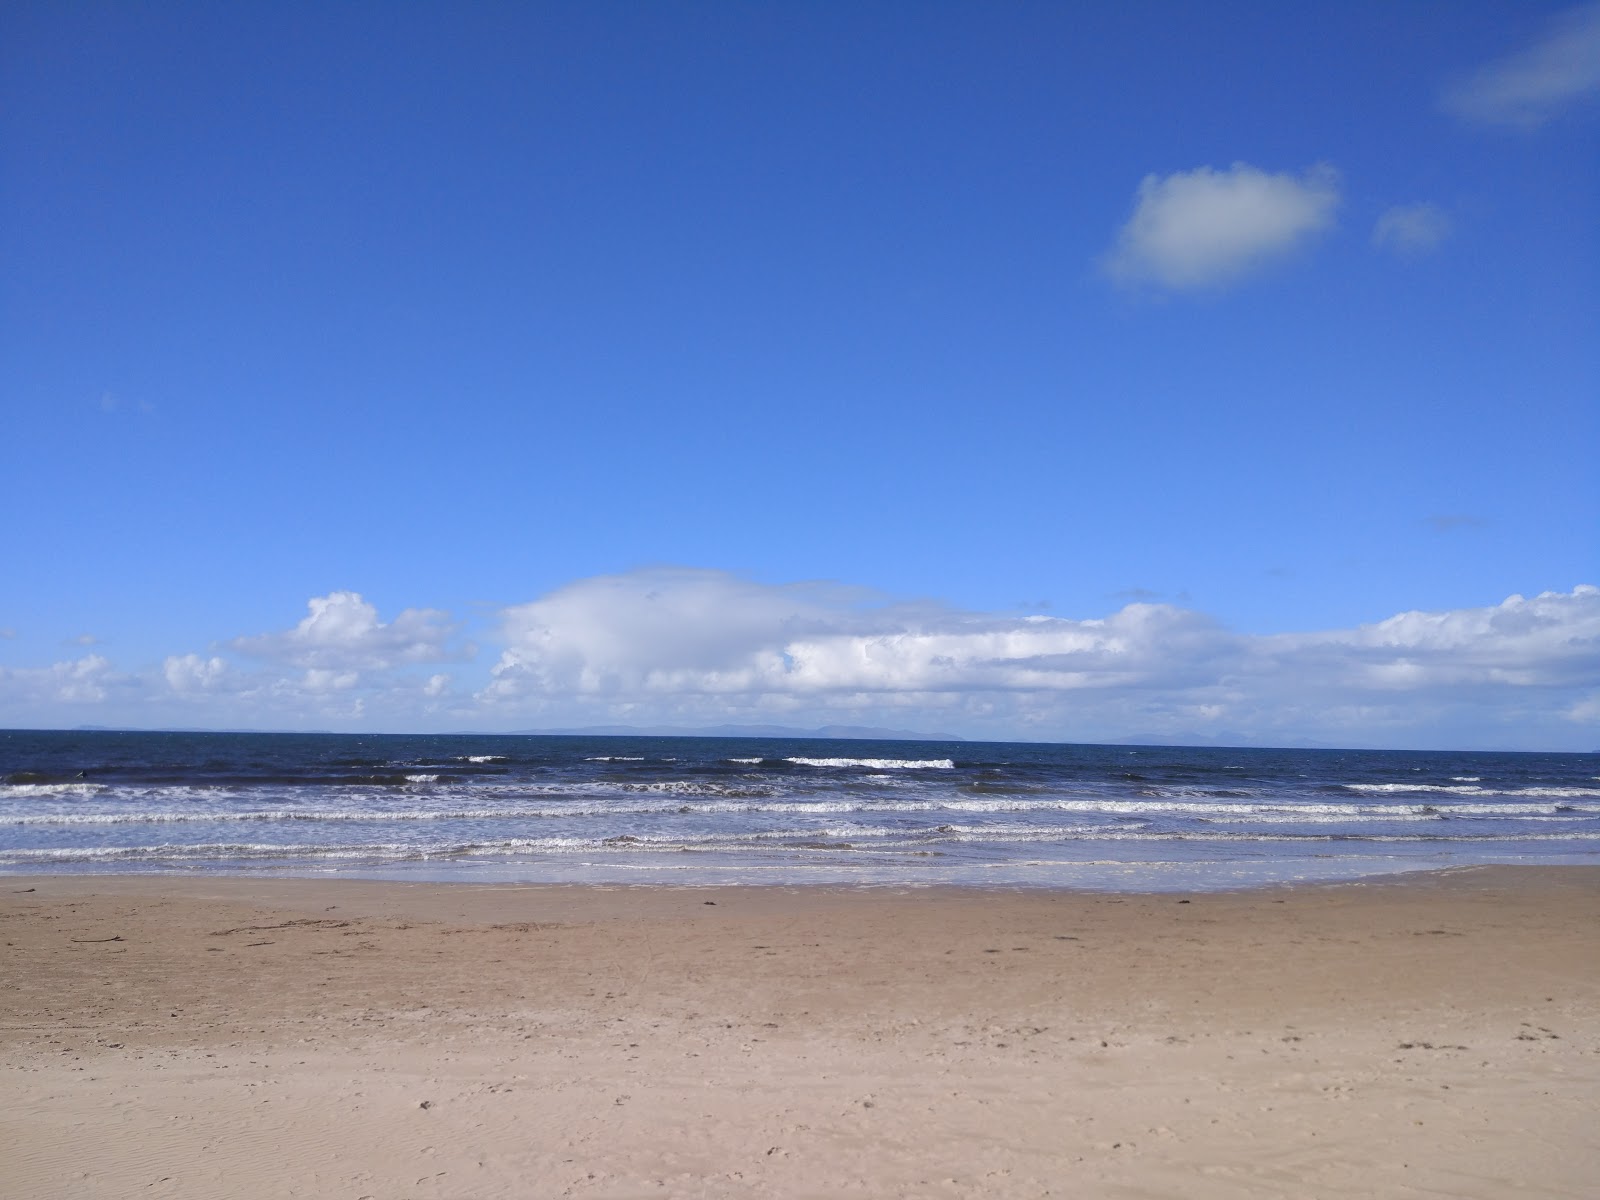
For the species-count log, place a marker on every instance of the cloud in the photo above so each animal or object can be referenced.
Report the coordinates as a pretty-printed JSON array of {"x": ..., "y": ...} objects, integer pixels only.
[
  {"x": 1549, "y": 641},
  {"x": 1450, "y": 522},
  {"x": 342, "y": 632},
  {"x": 1204, "y": 228},
  {"x": 701, "y": 647},
  {"x": 659, "y": 644},
  {"x": 1411, "y": 229},
  {"x": 651, "y": 628},
  {"x": 87, "y": 680},
  {"x": 1525, "y": 89},
  {"x": 189, "y": 673},
  {"x": 7, "y": 633},
  {"x": 110, "y": 402}
]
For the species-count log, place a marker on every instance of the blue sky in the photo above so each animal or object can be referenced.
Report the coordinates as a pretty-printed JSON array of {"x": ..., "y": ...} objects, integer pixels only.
[{"x": 1088, "y": 370}]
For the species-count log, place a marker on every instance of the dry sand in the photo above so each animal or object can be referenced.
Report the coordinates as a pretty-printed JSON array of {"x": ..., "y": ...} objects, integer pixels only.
[{"x": 1432, "y": 1036}]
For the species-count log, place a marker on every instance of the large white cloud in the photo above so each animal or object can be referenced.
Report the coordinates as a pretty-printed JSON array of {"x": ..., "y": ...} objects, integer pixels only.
[
  {"x": 1202, "y": 228},
  {"x": 675, "y": 632},
  {"x": 1527, "y": 88},
  {"x": 675, "y": 644}
]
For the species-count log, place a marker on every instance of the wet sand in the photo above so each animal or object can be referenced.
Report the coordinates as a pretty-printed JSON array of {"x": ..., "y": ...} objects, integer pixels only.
[{"x": 206, "y": 1036}]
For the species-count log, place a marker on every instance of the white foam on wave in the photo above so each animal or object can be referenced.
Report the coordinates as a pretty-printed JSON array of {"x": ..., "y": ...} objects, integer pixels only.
[
  {"x": 422, "y": 779},
  {"x": 19, "y": 791},
  {"x": 695, "y": 787},
  {"x": 747, "y": 761},
  {"x": 767, "y": 842},
  {"x": 708, "y": 799},
  {"x": 617, "y": 758},
  {"x": 297, "y": 814},
  {"x": 1467, "y": 789},
  {"x": 483, "y": 758},
  {"x": 213, "y": 850},
  {"x": 878, "y": 764}
]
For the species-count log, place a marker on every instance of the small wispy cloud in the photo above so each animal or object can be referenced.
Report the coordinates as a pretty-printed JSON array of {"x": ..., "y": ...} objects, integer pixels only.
[
  {"x": 1529, "y": 87},
  {"x": 7, "y": 633},
  {"x": 1411, "y": 229},
  {"x": 1451, "y": 522},
  {"x": 110, "y": 402},
  {"x": 1208, "y": 227}
]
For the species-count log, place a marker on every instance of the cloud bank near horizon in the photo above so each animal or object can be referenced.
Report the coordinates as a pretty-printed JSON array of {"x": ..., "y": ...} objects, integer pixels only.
[{"x": 689, "y": 646}]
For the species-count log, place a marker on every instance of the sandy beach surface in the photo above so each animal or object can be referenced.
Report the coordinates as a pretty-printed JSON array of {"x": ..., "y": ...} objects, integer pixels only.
[{"x": 1434, "y": 1035}]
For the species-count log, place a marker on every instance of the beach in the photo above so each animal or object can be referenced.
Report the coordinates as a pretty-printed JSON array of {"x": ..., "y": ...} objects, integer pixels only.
[{"x": 1425, "y": 1034}]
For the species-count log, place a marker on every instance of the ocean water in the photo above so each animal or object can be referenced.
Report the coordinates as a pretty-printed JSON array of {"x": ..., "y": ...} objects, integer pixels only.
[{"x": 618, "y": 810}]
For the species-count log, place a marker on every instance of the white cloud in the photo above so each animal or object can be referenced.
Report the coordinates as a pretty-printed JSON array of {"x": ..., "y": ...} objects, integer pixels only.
[
  {"x": 87, "y": 680},
  {"x": 1525, "y": 89},
  {"x": 671, "y": 633},
  {"x": 701, "y": 647},
  {"x": 1549, "y": 641},
  {"x": 1411, "y": 229},
  {"x": 651, "y": 629},
  {"x": 189, "y": 673},
  {"x": 662, "y": 645},
  {"x": 1202, "y": 228},
  {"x": 342, "y": 631},
  {"x": 320, "y": 680}
]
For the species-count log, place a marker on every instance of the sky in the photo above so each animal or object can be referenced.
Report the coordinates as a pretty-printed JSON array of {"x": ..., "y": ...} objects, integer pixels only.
[{"x": 1213, "y": 373}]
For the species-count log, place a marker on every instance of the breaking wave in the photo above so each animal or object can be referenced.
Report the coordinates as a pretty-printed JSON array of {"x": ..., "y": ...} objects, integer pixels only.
[{"x": 878, "y": 764}]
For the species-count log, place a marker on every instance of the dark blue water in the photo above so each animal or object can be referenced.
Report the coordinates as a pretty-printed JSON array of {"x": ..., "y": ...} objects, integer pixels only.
[{"x": 699, "y": 810}]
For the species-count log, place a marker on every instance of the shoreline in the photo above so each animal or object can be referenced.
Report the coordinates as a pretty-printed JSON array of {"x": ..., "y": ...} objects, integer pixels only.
[
  {"x": 1090, "y": 877},
  {"x": 258, "y": 1036},
  {"x": 180, "y": 880}
]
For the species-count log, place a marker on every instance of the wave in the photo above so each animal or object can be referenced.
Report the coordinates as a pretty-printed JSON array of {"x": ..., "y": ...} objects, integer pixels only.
[
  {"x": 1467, "y": 789},
  {"x": 784, "y": 842},
  {"x": 483, "y": 758},
  {"x": 878, "y": 764},
  {"x": 715, "y": 799},
  {"x": 21, "y": 790}
]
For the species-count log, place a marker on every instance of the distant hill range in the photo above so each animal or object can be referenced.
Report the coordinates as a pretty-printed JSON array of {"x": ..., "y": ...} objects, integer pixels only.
[{"x": 864, "y": 733}]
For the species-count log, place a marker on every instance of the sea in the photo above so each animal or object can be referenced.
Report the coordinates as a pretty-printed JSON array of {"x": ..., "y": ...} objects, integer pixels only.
[{"x": 776, "y": 811}]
